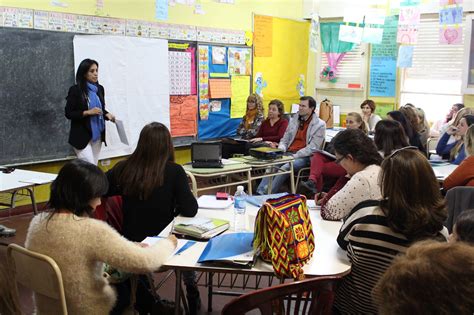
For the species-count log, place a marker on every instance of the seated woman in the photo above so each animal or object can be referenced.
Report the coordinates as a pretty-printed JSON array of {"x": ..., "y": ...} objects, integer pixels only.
[
  {"x": 357, "y": 154},
  {"x": 389, "y": 136},
  {"x": 455, "y": 151},
  {"x": 441, "y": 126},
  {"x": 323, "y": 166},
  {"x": 463, "y": 175},
  {"x": 413, "y": 136},
  {"x": 432, "y": 278},
  {"x": 411, "y": 114},
  {"x": 463, "y": 230},
  {"x": 154, "y": 190},
  {"x": 375, "y": 232},
  {"x": 370, "y": 119},
  {"x": 247, "y": 128},
  {"x": 81, "y": 245},
  {"x": 273, "y": 128}
]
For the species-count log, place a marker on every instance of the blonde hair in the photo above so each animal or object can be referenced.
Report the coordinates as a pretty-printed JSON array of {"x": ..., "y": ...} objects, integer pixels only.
[
  {"x": 358, "y": 119},
  {"x": 460, "y": 114},
  {"x": 255, "y": 98},
  {"x": 469, "y": 141}
]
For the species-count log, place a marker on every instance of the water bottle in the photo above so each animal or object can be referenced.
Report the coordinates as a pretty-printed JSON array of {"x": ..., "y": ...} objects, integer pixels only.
[{"x": 239, "y": 209}]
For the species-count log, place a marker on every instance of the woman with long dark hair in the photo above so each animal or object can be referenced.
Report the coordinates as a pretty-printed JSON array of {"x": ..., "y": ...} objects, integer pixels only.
[
  {"x": 85, "y": 108},
  {"x": 80, "y": 245},
  {"x": 154, "y": 190},
  {"x": 377, "y": 231},
  {"x": 413, "y": 136},
  {"x": 389, "y": 136}
]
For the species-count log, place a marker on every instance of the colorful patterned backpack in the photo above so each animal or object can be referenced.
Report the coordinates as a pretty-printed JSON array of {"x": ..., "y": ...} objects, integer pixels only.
[{"x": 284, "y": 235}]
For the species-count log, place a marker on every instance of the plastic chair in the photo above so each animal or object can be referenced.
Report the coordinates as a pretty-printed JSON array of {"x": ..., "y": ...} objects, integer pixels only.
[
  {"x": 37, "y": 272},
  {"x": 458, "y": 199},
  {"x": 431, "y": 144},
  {"x": 311, "y": 296}
]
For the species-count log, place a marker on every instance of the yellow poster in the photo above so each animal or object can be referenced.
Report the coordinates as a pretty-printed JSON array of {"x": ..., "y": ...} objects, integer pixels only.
[
  {"x": 240, "y": 91},
  {"x": 280, "y": 75},
  {"x": 263, "y": 35}
]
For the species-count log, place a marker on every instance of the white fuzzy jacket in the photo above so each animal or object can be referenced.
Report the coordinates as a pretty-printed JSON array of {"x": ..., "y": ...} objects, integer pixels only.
[{"x": 80, "y": 246}]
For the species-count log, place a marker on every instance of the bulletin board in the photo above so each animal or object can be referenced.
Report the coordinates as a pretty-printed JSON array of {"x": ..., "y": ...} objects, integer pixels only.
[
  {"x": 280, "y": 59},
  {"x": 224, "y": 83}
]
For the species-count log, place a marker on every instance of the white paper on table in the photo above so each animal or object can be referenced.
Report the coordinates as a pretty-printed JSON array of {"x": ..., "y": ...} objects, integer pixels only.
[
  {"x": 121, "y": 131},
  {"x": 150, "y": 241},
  {"x": 37, "y": 181},
  {"x": 210, "y": 202},
  {"x": 230, "y": 162}
]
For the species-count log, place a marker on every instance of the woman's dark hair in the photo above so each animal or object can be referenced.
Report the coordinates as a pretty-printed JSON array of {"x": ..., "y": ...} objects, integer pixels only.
[
  {"x": 370, "y": 103},
  {"x": 459, "y": 106},
  {"x": 82, "y": 70},
  {"x": 311, "y": 101},
  {"x": 469, "y": 120},
  {"x": 411, "y": 199},
  {"x": 356, "y": 143},
  {"x": 144, "y": 170},
  {"x": 279, "y": 105},
  {"x": 412, "y": 117},
  {"x": 464, "y": 227},
  {"x": 389, "y": 136},
  {"x": 400, "y": 117},
  {"x": 78, "y": 182}
]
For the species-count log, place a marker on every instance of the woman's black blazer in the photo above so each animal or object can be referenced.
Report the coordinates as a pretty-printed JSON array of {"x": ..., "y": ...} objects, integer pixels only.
[{"x": 81, "y": 133}]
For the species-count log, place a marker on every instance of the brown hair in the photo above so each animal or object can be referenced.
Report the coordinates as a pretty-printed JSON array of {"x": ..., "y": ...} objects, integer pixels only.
[
  {"x": 144, "y": 170},
  {"x": 389, "y": 136},
  {"x": 411, "y": 199},
  {"x": 412, "y": 117},
  {"x": 432, "y": 278},
  {"x": 279, "y": 105},
  {"x": 255, "y": 98},
  {"x": 370, "y": 103},
  {"x": 464, "y": 227},
  {"x": 358, "y": 119}
]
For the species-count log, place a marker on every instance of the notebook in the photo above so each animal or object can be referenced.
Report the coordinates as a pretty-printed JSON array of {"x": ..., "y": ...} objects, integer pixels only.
[
  {"x": 201, "y": 228},
  {"x": 206, "y": 155}
]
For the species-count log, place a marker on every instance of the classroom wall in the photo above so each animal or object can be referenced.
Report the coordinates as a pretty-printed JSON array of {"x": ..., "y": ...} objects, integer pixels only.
[{"x": 218, "y": 15}]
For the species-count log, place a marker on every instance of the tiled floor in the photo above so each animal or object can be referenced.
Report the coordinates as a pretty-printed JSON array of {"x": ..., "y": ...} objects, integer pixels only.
[{"x": 21, "y": 222}]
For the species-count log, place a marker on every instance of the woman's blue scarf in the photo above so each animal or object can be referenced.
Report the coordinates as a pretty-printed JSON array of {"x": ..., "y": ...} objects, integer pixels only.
[{"x": 97, "y": 121}]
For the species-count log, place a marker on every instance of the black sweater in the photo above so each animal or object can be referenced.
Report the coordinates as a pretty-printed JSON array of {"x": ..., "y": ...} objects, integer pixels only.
[{"x": 142, "y": 218}]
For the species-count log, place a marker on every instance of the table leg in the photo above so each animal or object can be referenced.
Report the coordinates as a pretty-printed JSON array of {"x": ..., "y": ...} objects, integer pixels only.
[
  {"x": 177, "y": 292},
  {"x": 33, "y": 201},
  {"x": 292, "y": 179},
  {"x": 249, "y": 177},
  {"x": 209, "y": 291}
]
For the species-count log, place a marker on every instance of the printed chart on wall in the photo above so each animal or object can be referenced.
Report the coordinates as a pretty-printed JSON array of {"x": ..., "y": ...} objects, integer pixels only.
[
  {"x": 383, "y": 63},
  {"x": 281, "y": 59},
  {"x": 183, "y": 89},
  {"x": 224, "y": 85}
]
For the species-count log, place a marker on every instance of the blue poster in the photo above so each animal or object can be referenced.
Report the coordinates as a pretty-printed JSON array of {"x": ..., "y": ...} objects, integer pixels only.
[
  {"x": 383, "y": 75},
  {"x": 405, "y": 56},
  {"x": 450, "y": 16},
  {"x": 219, "y": 124}
]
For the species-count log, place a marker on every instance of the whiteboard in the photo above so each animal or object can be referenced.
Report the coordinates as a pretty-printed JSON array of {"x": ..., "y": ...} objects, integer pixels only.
[{"x": 134, "y": 73}]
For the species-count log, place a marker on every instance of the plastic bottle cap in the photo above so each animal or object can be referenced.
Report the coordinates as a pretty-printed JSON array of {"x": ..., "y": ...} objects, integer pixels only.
[{"x": 240, "y": 188}]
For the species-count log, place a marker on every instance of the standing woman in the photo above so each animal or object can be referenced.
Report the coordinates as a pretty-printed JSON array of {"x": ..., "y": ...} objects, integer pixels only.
[{"x": 85, "y": 108}]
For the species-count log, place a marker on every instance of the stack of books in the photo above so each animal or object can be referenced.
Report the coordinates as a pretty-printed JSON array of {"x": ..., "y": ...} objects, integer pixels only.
[{"x": 201, "y": 228}]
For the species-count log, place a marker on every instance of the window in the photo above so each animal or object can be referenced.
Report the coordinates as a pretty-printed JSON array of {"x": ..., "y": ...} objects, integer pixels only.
[
  {"x": 434, "y": 82},
  {"x": 352, "y": 71}
]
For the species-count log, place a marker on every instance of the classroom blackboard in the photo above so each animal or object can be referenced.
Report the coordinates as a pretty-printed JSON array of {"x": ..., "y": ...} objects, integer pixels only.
[{"x": 37, "y": 69}]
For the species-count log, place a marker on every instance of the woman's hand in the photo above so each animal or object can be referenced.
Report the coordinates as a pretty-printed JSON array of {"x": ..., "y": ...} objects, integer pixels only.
[
  {"x": 452, "y": 130},
  {"x": 92, "y": 112},
  {"x": 318, "y": 198},
  {"x": 255, "y": 140},
  {"x": 273, "y": 145},
  {"x": 173, "y": 239},
  {"x": 110, "y": 117}
]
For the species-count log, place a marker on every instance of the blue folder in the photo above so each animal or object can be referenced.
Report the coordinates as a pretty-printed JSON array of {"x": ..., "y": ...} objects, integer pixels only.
[{"x": 234, "y": 248}]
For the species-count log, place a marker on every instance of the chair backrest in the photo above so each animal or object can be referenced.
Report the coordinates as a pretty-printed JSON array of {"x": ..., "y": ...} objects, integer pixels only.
[
  {"x": 431, "y": 144},
  {"x": 37, "y": 272},
  {"x": 458, "y": 199},
  {"x": 311, "y": 296}
]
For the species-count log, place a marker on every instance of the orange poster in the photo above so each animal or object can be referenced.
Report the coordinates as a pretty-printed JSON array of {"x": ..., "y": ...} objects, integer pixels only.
[
  {"x": 219, "y": 88},
  {"x": 263, "y": 35},
  {"x": 183, "y": 115}
]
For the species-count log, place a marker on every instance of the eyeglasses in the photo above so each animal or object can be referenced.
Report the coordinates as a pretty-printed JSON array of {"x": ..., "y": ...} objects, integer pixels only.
[
  {"x": 339, "y": 160},
  {"x": 394, "y": 152}
]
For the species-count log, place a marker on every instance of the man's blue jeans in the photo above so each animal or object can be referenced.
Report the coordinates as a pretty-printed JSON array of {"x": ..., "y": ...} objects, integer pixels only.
[{"x": 278, "y": 180}]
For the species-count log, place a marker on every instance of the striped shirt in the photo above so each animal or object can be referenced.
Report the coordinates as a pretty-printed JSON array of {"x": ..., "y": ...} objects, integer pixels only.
[{"x": 371, "y": 246}]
